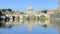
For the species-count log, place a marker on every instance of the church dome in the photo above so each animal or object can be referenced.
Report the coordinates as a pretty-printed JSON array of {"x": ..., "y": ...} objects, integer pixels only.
[{"x": 30, "y": 8}]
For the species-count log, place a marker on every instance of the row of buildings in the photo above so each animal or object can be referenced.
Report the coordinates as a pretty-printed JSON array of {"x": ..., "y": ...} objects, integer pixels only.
[{"x": 31, "y": 13}]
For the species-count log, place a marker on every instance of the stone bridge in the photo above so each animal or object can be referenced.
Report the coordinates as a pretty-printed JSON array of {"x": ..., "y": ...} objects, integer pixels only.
[
  {"x": 22, "y": 16},
  {"x": 29, "y": 13}
]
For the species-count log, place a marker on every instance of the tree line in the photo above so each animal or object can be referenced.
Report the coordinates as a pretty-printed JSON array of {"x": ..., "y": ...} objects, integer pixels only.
[
  {"x": 4, "y": 10},
  {"x": 10, "y": 10},
  {"x": 44, "y": 11}
]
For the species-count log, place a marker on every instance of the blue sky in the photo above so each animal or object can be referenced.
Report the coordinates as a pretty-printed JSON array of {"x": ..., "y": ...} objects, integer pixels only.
[{"x": 22, "y": 5}]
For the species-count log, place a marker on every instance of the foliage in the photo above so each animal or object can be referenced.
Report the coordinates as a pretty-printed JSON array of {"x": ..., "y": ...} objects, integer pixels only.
[
  {"x": 44, "y": 11},
  {"x": 4, "y": 10},
  {"x": 9, "y": 10},
  {"x": 0, "y": 12}
]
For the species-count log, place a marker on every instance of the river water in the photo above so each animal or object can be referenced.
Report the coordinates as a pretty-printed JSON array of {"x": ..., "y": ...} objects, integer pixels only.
[{"x": 30, "y": 27}]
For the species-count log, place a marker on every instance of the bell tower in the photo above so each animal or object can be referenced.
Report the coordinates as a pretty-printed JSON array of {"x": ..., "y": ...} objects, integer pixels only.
[{"x": 58, "y": 5}]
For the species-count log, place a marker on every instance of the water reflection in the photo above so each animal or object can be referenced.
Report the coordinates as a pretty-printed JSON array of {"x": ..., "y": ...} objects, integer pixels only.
[
  {"x": 30, "y": 24},
  {"x": 56, "y": 24}
]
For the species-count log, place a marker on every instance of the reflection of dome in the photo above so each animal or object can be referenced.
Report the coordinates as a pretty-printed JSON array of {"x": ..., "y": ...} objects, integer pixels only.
[{"x": 30, "y": 7}]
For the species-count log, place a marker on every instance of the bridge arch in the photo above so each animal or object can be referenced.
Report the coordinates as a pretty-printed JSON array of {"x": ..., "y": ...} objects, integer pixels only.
[{"x": 43, "y": 15}]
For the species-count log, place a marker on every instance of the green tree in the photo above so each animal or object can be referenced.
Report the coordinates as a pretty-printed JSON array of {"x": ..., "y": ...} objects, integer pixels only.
[
  {"x": 3, "y": 10},
  {"x": 0, "y": 12},
  {"x": 10, "y": 10},
  {"x": 44, "y": 11}
]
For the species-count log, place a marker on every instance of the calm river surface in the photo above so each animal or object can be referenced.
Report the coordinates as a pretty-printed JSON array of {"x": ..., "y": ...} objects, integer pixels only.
[{"x": 29, "y": 27}]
